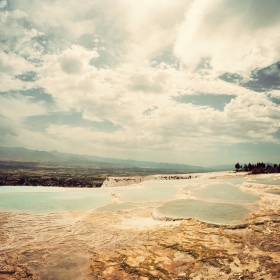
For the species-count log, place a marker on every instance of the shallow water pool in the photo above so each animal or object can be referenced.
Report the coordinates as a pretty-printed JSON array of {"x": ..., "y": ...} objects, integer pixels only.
[
  {"x": 225, "y": 193},
  {"x": 45, "y": 200},
  {"x": 115, "y": 207},
  {"x": 267, "y": 181},
  {"x": 277, "y": 192},
  {"x": 214, "y": 200},
  {"x": 218, "y": 213},
  {"x": 118, "y": 207}
]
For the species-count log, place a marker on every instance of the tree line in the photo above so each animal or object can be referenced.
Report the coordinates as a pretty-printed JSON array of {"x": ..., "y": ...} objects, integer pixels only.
[{"x": 258, "y": 168}]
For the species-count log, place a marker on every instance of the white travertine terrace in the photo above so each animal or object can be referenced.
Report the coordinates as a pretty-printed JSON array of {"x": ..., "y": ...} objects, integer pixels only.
[{"x": 126, "y": 181}]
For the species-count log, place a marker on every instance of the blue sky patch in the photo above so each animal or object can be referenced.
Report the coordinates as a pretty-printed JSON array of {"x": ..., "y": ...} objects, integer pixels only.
[
  {"x": 33, "y": 95},
  {"x": 30, "y": 76},
  {"x": 216, "y": 101},
  {"x": 261, "y": 79},
  {"x": 73, "y": 119}
]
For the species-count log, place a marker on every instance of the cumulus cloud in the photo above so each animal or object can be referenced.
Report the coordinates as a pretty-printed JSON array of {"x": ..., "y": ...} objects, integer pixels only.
[
  {"x": 147, "y": 83},
  {"x": 236, "y": 36},
  {"x": 3, "y": 4},
  {"x": 73, "y": 61}
]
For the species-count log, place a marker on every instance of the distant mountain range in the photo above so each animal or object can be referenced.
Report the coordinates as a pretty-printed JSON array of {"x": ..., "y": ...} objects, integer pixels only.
[{"x": 26, "y": 155}]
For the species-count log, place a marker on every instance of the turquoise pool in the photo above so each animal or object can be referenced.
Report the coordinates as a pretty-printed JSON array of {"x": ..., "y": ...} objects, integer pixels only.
[
  {"x": 267, "y": 181},
  {"x": 46, "y": 200},
  {"x": 218, "y": 213},
  {"x": 215, "y": 200},
  {"x": 223, "y": 193}
]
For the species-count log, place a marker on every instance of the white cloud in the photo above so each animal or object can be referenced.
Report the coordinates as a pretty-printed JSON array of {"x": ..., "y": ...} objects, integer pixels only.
[
  {"x": 237, "y": 36},
  {"x": 19, "y": 50},
  {"x": 132, "y": 32},
  {"x": 76, "y": 59},
  {"x": 123, "y": 95},
  {"x": 18, "y": 107},
  {"x": 12, "y": 65},
  {"x": 3, "y": 4},
  {"x": 18, "y": 38},
  {"x": 6, "y": 127}
]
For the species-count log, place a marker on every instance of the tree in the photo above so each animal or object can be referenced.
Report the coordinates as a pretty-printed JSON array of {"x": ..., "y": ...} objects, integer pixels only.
[
  {"x": 250, "y": 167},
  {"x": 237, "y": 166}
]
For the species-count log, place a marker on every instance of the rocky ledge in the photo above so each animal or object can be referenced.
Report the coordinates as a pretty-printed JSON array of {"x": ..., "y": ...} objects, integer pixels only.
[{"x": 125, "y": 181}]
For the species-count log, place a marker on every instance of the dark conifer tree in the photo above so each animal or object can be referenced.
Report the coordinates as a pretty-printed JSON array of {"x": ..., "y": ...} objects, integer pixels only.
[{"x": 237, "y": 166}]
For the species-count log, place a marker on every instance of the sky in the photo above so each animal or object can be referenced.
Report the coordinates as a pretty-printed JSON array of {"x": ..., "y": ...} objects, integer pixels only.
[{"x": 180, "y": 81}]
